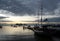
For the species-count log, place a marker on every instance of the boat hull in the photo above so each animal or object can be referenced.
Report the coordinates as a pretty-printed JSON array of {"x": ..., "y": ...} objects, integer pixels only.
[{"x": 48, "y": 33}]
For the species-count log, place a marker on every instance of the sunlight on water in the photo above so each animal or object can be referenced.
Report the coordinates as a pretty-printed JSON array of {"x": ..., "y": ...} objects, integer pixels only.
[{"x": 8, "y": 30}]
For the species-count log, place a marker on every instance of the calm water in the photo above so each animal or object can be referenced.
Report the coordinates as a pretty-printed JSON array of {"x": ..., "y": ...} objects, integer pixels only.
[
  {"x": 8, "y": 30},
  {"x": 10, "y": 33}
]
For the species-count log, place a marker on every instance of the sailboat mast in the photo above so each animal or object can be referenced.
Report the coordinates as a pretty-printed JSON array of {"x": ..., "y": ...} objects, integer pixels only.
[
  {"x": 38, "y": 17},
  {"x": 41, "y": 7},
  {"x": 41, "y": 11}
]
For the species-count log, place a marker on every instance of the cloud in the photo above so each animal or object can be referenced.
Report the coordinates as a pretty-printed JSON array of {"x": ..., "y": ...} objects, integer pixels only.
[
  {"x": 6, "y": 13},
  {"x": 28, "y": 7},
  {"x": 47, "y": 17},
  {"x": 56, "y": 19},
  {"x": 1, "y": 17},
  {"x": 50, "y": 17},
  {"x": 15, "y": 7},
  {"x": 5, "y": 21}
]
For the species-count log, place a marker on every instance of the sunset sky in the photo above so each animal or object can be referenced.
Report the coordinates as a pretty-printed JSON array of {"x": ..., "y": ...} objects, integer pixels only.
[{"x": 25, "y": 11}]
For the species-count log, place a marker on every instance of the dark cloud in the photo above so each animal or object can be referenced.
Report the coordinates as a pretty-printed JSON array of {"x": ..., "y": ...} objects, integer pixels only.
[
  {"x": 1, "y": 17},
  {"x": 15, "y": 7},
  {"x": 23, "y": 7},
  {"x": 5, "y": 21},
  {"x": 50, "y": 4}
]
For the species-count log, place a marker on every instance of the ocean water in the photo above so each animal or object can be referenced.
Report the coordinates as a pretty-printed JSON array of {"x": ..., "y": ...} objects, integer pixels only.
[
  {"x": 8, "y": 30},
  {"x": 8, "y": 33}
]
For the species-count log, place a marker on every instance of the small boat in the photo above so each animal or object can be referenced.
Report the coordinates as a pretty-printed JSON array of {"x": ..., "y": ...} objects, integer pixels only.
[
  {"x": 15, "y": 26},
  {"x": 28, "y": 27},
  {"x": 0, "y": 26}
]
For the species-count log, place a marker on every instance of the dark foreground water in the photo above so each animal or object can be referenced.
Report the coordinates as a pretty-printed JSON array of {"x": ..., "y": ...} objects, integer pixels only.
[{"x": 8, "y": 33}]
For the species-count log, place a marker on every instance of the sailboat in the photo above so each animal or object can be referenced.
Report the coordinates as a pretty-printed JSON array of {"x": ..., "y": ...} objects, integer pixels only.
[
  {"x": 46, "y": 29},
  {"x": 38, "y": 28}
]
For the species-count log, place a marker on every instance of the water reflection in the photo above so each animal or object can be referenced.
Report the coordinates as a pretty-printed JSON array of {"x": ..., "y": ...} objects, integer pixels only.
[
  {"x": 10, "y": 33},
  {"x": 8, "y": 30}
]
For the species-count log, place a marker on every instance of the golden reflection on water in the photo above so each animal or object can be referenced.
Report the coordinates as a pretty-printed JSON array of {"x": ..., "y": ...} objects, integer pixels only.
[{"x": 8, "y": 30}]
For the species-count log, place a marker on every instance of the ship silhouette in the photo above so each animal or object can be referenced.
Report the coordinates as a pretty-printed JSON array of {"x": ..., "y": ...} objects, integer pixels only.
[{"x": 47, "y": 29}]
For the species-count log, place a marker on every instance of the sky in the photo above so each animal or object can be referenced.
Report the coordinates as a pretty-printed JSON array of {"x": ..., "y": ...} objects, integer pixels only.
[{"x": 20, "y": 11}]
